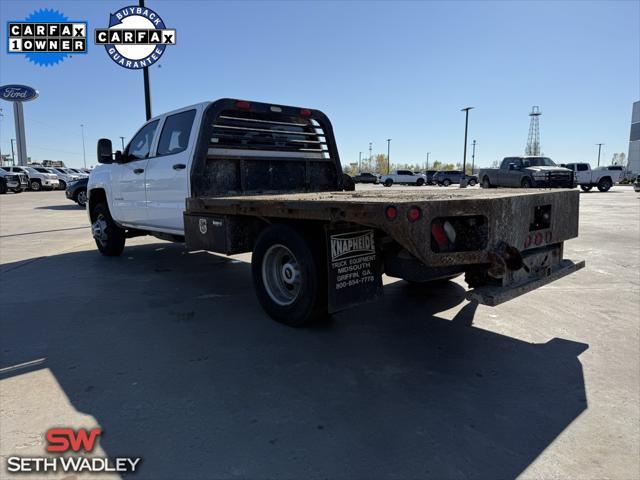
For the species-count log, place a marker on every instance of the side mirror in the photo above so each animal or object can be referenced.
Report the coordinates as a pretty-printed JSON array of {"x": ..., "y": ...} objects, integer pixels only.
[{"x": 105, "y": 151}]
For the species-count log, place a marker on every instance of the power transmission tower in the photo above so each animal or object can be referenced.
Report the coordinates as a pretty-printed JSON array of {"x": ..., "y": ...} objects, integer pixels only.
[{"x": 533, "y": 141}]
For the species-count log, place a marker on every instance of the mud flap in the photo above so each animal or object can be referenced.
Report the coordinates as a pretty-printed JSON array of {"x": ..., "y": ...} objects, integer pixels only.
[
  {"x": 354, "y": 271},
  {"x": 495, "y": 295}
]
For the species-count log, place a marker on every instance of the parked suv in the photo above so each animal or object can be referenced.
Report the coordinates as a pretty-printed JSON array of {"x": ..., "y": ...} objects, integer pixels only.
[
  {"x": 12, "y": 182},
  {"x": 77, "y": 191},
  {"x": 39, "y": 178},
  {"x": 448, "y": 177}
]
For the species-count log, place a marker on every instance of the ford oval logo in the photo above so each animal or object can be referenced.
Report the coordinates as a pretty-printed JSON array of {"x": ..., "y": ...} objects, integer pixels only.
[{"x": 18, "y": 93}]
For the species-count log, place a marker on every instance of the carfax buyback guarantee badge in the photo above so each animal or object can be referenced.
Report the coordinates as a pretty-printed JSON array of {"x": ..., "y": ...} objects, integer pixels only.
[{"x": 136, "y": 38}]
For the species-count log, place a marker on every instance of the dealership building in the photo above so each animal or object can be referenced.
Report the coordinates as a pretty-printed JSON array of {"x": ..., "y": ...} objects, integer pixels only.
[{"x": 634, "y": 140}]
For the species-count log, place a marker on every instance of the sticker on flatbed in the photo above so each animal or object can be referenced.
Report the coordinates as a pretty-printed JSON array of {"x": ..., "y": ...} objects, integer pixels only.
[{"x": 354, "y": 269}]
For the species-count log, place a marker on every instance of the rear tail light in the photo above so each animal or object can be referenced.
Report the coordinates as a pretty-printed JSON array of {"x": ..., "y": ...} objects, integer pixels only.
[
  {"x": 305, "y": 112},
  {"x": 439, "y": 235},
  {"x": 391, "y": 212},
  {"x": 414, "y": 214},
  {"x": 243, "y": 104}
]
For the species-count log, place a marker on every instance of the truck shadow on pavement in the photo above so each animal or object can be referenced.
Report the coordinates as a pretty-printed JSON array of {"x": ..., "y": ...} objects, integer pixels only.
[{"x": 173, "y": 357}]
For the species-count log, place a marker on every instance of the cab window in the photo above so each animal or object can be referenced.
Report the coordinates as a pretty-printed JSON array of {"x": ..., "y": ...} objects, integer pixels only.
[
  {"x": 175, "y": 133},
  {"x": 582, "y": 167},
  {"x": 140, "y": 145}
]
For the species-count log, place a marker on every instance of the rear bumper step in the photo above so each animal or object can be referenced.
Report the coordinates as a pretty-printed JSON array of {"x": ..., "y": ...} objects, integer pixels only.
[{"x": 495, "y": 295}]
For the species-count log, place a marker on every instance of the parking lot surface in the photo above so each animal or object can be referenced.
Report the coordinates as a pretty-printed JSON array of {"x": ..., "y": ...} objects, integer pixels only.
[{"x": 170, "y": 354}]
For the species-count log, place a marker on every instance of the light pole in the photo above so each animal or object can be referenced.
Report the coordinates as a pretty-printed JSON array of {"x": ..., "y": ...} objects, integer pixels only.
[
  {"x": 599, "y": 150},
  {"x": 428, "y": 153},
  {"x": 122, "y": 140},
  {"x": 369, "y": 155},
  {"x": 473, "y": 157},
  {"x": 84, "y": 153},
  {"x": 388, "y": 155},
  {"x": 359, "y": 162},
  {"x": 463, "y": 180}
]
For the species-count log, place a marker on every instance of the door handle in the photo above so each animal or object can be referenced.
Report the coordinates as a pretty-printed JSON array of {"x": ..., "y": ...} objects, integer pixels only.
[
  {"x": 179, "y": 166},
  {"x": 138, "y": 171}
]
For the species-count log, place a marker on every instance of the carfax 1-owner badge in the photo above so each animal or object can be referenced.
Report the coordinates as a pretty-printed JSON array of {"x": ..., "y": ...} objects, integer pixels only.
[{"x": 136, "y": 38}]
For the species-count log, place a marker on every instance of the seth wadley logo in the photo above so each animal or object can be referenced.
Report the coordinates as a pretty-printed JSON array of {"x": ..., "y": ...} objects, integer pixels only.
[
  {"x": 67, "y": 440},
  {"x": 136, "y": 37}
]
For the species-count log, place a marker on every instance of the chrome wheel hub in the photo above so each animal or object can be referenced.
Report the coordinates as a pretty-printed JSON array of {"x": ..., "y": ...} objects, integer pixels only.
[
  {"x": 99, "y": 229},
  {"x": 281, "y": 275}
]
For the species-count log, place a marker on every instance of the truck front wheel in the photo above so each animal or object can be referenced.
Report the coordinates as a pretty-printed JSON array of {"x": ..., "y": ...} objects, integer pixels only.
[
  {"x": 108, "y": 235},
  {"x": 526, "y": 182},
  {"x": 388, "y": 182},
  {"x": 288, "y": 276}
]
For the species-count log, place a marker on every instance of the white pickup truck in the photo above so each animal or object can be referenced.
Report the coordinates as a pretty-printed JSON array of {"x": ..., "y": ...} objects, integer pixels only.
[
  {"x": 587, "y": 178},
  {"x": 403, "y": 177},
  {"x": 233, "y": 176}
]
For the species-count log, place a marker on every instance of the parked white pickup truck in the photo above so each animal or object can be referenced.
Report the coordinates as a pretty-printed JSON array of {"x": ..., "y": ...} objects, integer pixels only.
[
  {"x": 403, "y": 177},
  {"x": 588, "y": 178}
]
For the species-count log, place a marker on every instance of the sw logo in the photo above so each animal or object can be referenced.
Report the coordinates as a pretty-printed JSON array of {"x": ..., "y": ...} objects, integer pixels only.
[
  {"x": 65, "y": 439},
  {"x": 136, "y": 38},
  {"x": 67, "y": 442},
  {"x": 46, "y": 37}
]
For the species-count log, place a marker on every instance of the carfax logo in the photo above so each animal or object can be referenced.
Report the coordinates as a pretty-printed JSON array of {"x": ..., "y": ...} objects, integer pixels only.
[
  {"x": 136, "y": 38},
  {"x": 46, "y": 37},
  {"x": 352, "y": 244}
]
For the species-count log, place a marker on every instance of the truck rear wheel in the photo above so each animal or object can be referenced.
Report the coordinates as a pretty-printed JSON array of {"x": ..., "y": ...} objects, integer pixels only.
[
  {"x": 526, "y": 182},
  {"x": 605, "y": 184},
  {"x": 486, "y": 183},
  {"x": 289, "y": 276},
  {"x": 108, "y": 235},
  {"x": 388, "y": 182},
  {"x": 586, "y": 188},
  {"x": 446, "y": 182}
]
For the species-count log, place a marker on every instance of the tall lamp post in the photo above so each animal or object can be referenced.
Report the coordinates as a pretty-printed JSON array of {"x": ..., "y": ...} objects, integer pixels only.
[
  {"x": 84, "y": 153},
  {"x": 428, "y": 153},
  {"x": 359, "y": 162},
  {"x": 122, "y": 140},
  {"x": 599, "y": 150},
  {"x": 463, "y": 180},
  {"x": 473, "y": 157},
  {"x": 388, "y": 156},
  {"x": 369, "y": 166}
]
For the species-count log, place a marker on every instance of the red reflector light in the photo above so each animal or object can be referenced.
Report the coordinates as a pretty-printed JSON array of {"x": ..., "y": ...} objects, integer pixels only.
[
  {"x": 439, "y": 235},
  {"x": 538, "y": 238},
  {"x": 527, "y": 241},
  {"x": 391, "y": 212},
  {"x": 305, "y": 112},
  {"x": 414, "y": 214},
  {"x": 244, "y": 105}
]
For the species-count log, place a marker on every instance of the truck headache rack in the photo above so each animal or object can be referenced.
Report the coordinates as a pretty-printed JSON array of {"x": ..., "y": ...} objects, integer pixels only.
[{"x": 250, "y": 147}]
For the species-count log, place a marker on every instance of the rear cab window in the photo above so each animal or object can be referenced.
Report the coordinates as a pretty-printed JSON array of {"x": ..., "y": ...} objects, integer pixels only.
[{"x": 175, "y": 133}]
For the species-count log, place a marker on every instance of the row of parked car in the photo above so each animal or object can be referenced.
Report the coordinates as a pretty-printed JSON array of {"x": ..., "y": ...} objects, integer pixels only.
[
  {"x": 37, "y": 178},
  {"x": 442, "y": 178}
]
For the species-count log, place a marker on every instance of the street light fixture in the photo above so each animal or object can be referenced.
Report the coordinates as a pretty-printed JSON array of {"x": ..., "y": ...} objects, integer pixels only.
[
  {"x": 388, "y": 156},
  {"x": 463, "y": 179}
]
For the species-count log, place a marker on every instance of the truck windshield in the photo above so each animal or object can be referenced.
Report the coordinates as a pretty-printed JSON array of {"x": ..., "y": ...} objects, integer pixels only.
[{"x": 538, "y": 162}]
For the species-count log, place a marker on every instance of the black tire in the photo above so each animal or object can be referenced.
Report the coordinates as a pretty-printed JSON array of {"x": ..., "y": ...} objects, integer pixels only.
[
  {"x": 35, "y": 185},
  {"x": 605, "y": 184},
  {"x": 3, "y": 187},
  {"x": 526, "y": 182},
  {"x": 446, "y": 182},
  {"x": 80, "y": 197},
  {"x": 388, "y": 182},
  {"x": 17, "y": 190},
  {"x": 420, "y": 182},
  {"x": 110, "y": 237},
  {"x": 586, "y": 188},
  {"x": 281, "y": 249},
  {"x": 472, "y": 182},
  {"x": 62, "y": 185},
  {"x": 348, "y": 185},
  {"x": 486, "y": 183}
]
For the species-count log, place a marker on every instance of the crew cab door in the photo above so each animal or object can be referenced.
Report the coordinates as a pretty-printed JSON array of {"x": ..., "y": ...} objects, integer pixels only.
[
  {"x": 168, "y": 172},
  {"x": 583, "y": 173},
  {"x": 128, "y": 195},
  {"x": 510, "y": 176}
]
